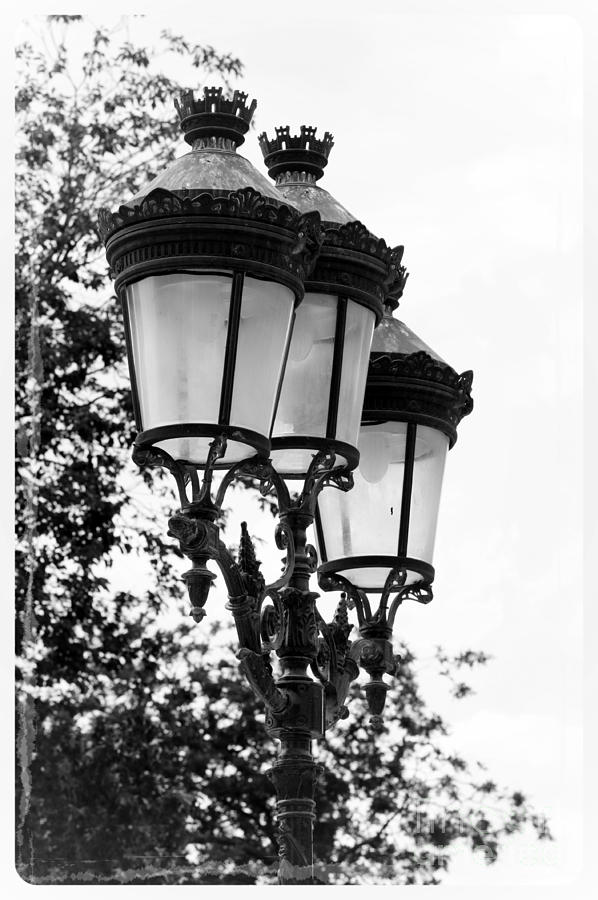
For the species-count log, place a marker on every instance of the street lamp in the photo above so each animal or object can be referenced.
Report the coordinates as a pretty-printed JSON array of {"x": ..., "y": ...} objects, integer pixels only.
[{"x": 249, "y": 309}]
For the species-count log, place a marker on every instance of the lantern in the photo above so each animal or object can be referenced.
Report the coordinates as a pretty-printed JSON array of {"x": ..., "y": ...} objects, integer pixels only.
[
  {"x": 413, "y": 404},
  {"x": 322, "y": 391},
  {"x": 209, "y": 262}
]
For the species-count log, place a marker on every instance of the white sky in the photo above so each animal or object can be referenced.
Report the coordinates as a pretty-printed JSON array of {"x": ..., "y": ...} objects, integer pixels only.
[{"x": 460, "y": 136}]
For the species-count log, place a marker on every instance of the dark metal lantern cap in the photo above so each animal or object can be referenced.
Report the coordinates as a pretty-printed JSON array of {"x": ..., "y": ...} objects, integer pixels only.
[
  {"x": 417, "y": 388},
  {"x": 301, "y": 153},
  {"x": 211, "y": 209},
  {"x": 353, "y": 262},
  {"x": 408, "y": 383},
  {"x": 214, "y": 119},
  {"x": 166, "y": 233}
]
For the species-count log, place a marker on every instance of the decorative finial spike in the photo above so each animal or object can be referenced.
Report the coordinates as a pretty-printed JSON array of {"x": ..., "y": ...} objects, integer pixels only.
[
  {"x": 249, "y": 563},
  {"x": 341, "y": 617}
]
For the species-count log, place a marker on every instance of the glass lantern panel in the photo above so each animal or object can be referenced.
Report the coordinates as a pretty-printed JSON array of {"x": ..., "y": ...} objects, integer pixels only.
[
  {"x": 303, "y": 405},
  {"x": 195, "y": 449},
  {"x": 430, "y": 455},
  {"x": 373, "y": 578},
  {"x": 359, "y": 327},
  {"x": 178, "y": 329},
  {"x": 264, "y": 330},
  {"x": 365, "y": 521}
]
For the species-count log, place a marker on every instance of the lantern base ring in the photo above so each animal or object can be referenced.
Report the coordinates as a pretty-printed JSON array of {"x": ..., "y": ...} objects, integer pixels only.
[
  {"x": 258, "y": 443},
  {"x": 343, "y": 566},
  {"x": 295, "y": 442}
]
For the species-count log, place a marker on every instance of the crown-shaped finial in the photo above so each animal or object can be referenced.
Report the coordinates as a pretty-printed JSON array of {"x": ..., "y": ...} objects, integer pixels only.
[
  {"x": 301, "y": 153},
  {"x": 214, "y": 117}
]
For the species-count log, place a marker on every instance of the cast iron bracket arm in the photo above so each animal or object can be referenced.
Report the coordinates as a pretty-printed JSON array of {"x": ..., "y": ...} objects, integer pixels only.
[
  {"x": 269, "y": 479},
  {"x": 263, "y": 471},
  {"x": 322, "y": 472},
  {"x": 255, "y": 467},
  {"x": 258, "y": 672},
  {"x": 283, "y": 537},
  {"x": 356, "y": 598},
  {"x": 201, "y": 498},
  {"x": 421, "y": 593},
  {"x": 373, "y": 650},
  {"x": 155, "y": 457}
]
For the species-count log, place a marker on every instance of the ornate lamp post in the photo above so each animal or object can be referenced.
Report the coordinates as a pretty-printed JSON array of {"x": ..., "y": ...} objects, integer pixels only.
[{"x": 228, "y": 283}]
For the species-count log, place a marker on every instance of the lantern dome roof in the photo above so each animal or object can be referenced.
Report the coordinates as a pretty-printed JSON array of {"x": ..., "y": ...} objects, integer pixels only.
[
  {"x": 297, "y": 162},
  {"x": 212, "y": 170},
  {"x": 211, "y": 208},
  {"x": 408, "y": 382},
  {"x": 393, "y": 336},
  {"x": 214, "y": 126},
  {"x": 353, "y": 262}
]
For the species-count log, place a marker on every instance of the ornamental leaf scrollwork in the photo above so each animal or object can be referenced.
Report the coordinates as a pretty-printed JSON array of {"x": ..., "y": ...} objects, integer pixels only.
[
  {"x": 311, "y": 558},
  {"x": 321, "y": 472},
  {"x": 454, "y": 396},
  {"x": 155, "y": 457},
  {"x": 258, "y": 672},
  {"x": 299, "y": 628},
  {"x": 464, "y": 402},
  {"x": 355, "y": 236},
  {"x": 340, "y": 479},
  {"x": 245, "y": 203},
  {"x": 271, "y": 624},
  {"x": 396, "y": 278},
  {"x": 417, "y": 365},
  {"x": 283, "y": 537},
  {"x": 334, "y": 665},
  {"x": 309, "y": 240}
]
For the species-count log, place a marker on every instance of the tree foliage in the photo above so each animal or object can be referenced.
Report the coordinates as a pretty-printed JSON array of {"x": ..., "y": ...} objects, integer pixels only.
[{"x": 142, "y": 756}]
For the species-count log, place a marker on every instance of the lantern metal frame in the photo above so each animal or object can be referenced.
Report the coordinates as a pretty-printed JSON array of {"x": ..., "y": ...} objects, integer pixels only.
[
  {"x": 352, "y": 264},
  {"x": 243, "y": 233},
  {"x": 415, "y": 389}
]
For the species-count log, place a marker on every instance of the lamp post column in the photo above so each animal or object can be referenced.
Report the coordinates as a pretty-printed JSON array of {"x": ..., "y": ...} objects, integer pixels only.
[
  {"x": 295, "y": 772},
  {"x": 294, "y": 776}
]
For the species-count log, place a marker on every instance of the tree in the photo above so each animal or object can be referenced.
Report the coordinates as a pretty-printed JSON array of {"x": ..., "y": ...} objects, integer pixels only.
[{"x": 142, "y": 756}]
